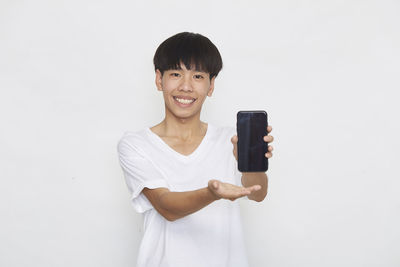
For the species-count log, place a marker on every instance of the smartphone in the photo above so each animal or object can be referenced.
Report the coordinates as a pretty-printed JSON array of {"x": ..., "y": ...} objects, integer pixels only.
[{"x": 251, "y": 127}]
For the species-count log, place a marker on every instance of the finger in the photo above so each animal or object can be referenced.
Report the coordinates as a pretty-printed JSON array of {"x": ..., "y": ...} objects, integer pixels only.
[
  {"x": 234, "y": 139},
  {"x": 268, "y": 155},
  {"x": 270, "y": 148},
  {"x": 269, "y": 128},
  {"x": 248, "y": 190},
  {"x": 243, "y": 193},
  {"x": 268, "y": 138},
  {"x": 253, "y": 188}
]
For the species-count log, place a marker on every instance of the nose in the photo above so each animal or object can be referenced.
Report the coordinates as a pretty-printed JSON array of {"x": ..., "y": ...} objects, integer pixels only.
[{"x": 185, "y": 85}]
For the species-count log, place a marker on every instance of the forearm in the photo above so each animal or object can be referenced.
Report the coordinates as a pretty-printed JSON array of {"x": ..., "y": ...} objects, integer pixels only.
[
  {"x": 176, "y": 205},
  {"x": 253, "y": 178}
]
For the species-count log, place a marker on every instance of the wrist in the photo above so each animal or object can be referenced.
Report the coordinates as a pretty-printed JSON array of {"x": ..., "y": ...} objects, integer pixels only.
[{"x": 211, "y": 193}]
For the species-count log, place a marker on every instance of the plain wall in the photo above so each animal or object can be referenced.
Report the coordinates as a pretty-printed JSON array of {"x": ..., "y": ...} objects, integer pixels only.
[{"x": 75, "y": 75}]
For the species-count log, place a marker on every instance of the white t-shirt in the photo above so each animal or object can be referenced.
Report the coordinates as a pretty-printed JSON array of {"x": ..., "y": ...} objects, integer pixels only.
[{"x": 209, "y": 237}]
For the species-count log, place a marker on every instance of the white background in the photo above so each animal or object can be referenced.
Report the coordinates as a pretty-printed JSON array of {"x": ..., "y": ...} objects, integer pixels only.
[{"x": 74, "y": 75}]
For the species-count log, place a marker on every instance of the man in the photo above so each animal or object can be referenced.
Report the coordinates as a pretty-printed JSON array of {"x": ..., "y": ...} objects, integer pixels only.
[{"x": 182, "y": 171}]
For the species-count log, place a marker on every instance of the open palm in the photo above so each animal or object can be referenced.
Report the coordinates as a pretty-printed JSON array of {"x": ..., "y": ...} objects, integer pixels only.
[{"x": 230, "y": 191}]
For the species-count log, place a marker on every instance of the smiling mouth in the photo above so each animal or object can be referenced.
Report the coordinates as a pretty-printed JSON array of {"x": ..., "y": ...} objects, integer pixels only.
[{"x": 184, "y": 101}]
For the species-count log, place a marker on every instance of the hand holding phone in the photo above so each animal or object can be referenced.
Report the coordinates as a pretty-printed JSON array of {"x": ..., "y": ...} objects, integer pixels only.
[{"x": 251, "y": 127}]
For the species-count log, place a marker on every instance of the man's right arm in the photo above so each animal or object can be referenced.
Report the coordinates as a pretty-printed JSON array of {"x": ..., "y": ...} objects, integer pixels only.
[{"x": 175, "y": 205}]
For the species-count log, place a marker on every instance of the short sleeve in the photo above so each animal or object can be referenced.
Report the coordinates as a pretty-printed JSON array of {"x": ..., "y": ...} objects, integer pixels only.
[{"x": 139, "y": 172}]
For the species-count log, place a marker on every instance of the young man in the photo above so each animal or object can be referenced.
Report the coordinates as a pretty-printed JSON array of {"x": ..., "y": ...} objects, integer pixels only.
[{"x": 182, "y": 173}]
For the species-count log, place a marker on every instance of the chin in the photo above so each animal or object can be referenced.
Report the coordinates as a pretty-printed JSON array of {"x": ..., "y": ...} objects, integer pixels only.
[{"x": 183, "y": 114}]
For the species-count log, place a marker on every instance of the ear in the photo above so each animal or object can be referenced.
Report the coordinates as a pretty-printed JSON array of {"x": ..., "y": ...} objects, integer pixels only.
[
  {"x": 159, "y": 80},
  {"x": 211, "y": 89}
]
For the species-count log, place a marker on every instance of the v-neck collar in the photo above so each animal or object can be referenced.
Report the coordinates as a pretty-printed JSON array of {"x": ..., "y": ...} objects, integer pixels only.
[{"x": 176, "y": 154}]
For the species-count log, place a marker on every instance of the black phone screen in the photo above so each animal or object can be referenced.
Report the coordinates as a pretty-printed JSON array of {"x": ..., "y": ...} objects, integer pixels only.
[{"x": 251, "y": 127}]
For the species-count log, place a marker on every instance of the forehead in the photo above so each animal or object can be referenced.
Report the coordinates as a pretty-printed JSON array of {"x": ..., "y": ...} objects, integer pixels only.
[{"x": 193, "y": 67}]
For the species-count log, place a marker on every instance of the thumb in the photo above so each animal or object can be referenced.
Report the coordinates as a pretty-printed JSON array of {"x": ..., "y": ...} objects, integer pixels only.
[{"x": 215, "y": 184}]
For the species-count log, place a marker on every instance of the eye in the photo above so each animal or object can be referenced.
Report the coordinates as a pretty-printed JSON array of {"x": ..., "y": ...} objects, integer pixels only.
[
  {"x": 198, "y": 76},
  {"x": 174, "y": 74}
]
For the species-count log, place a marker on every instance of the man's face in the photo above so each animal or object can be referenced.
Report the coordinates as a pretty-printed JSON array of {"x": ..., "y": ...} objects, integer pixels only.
[{"x": 184, "y": 90}]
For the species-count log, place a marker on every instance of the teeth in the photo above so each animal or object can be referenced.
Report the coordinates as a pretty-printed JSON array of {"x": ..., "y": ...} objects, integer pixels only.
[{"x": 184, "y": 101}]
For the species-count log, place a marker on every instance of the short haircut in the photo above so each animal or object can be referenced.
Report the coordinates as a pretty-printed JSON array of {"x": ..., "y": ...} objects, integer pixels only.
[{"x": 192, "y": 49}]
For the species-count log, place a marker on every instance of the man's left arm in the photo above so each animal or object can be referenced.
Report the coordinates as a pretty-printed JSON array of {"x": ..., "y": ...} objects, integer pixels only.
[{"x": 254, "y": 178}]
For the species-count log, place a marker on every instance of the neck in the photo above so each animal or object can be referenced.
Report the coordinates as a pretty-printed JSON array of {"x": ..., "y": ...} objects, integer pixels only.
[{"x": 183, "y": 128}]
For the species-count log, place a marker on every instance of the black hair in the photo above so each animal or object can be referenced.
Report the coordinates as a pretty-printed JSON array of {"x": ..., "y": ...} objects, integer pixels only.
[{"x": 192, "y": 49}]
